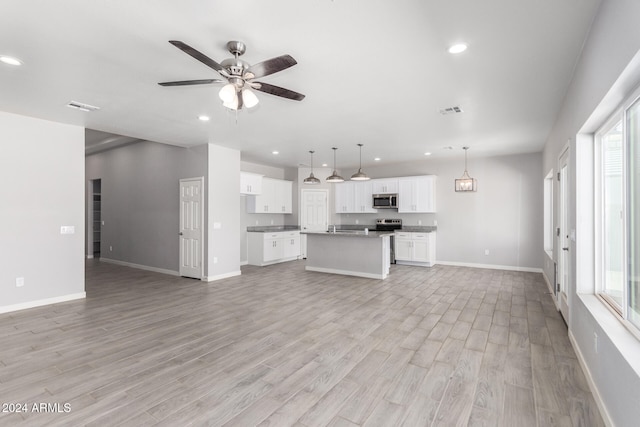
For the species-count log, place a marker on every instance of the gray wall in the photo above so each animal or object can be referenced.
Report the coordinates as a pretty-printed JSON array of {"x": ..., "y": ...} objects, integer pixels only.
[
  {"x": 42, "y": 173},
  {"x": 613, "y": 42},
  {"x": 504, "y": 216},
  {"x": 140, "y": 200}
]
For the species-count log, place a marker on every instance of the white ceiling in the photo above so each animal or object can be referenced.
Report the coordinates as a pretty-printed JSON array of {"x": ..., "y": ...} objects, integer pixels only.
[{"x": 374, "y": 72}]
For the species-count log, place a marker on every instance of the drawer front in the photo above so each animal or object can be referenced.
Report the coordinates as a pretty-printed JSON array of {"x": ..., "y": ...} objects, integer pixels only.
[
  {"x": 419, "y": 236},
  {"x": 403, "y": 235}
]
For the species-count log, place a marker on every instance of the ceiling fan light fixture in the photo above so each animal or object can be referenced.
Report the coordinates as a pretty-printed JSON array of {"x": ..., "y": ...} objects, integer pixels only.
[
  {"x": 228, "y": 93},
  {"x": 249, "y": 97},
  {"x": 360, "y": 176}
]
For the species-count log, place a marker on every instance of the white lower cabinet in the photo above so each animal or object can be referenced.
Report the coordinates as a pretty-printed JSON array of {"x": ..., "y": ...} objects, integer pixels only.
[
  {"x": 271, "y": 248},
  {"x": 415, "y": 248}
]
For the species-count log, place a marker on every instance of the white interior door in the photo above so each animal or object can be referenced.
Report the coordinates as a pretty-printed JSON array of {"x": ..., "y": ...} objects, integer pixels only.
[
  {"x": 314, "y": 208},
  {"x": 191, "y": 229},
  {"x": 563, "y": 235}
]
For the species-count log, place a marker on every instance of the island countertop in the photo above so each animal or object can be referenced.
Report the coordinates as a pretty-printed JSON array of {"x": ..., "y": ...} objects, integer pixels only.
[{"x": 351, "y": 233}]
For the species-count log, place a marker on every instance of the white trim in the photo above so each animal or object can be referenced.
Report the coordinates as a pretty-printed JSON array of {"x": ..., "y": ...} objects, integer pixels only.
[
  {"x": 548, "y": 282},
  {"x": 221, "y": 276},
  {"x": 345, "y": 272},
  {"x": 140, "y": 266},
  {"x": 245, "y": 262},
  {"x": 89, "y": 256},
  {"x": 39, "y": 303},
  {"x": 491, "y": 266},
  {"x": 592, "y": 385}
]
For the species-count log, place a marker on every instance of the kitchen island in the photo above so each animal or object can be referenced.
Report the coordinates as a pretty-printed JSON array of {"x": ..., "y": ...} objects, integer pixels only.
[{"x": 349, "y": 252}]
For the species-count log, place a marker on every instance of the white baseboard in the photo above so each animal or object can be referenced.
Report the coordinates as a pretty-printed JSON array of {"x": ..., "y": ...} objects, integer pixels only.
[
  {"x": 491, "y": 266},
  {"x": 39, "y": 303},
  {"x": 221, "y": 276},
  {"x": 245, "y": 262},
  {"x": 89, "y": 256},
  {"x": 592, "y": 385},
  {"x": 140, "y": 266},
  {"x": 345, "y": 272}
]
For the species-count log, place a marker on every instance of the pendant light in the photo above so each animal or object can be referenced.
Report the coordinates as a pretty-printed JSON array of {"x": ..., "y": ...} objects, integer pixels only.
[
  {"x": 360, "y": 176},
  {"x": 311, "y": 179},
  {"x": 466, "y": 183},
  {"x": 334, "y": 176}
]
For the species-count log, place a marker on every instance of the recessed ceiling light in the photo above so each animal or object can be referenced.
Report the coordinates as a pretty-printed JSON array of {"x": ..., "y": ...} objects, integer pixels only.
[
  {"x": 203, "y": 118},
  {"x": 10, "y": 60},
  {"x": 427, "y": 154},
  {"x": 275, "y": 152},
  {"x": 324, "y": 165},
  {"x": 458, "y": 48},
  {"x": 377, "y": 159}
]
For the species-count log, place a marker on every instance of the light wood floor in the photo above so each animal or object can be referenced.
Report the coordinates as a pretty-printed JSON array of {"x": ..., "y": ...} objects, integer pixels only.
[{"x": 279, "y": 346}]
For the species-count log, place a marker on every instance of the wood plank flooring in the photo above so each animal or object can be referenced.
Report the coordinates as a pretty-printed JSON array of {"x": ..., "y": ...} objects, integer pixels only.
[{"x": 280, "y": 346}]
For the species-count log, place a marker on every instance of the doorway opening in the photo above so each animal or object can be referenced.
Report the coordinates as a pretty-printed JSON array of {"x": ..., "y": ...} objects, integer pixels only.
[{"x": 94, "y": 220}]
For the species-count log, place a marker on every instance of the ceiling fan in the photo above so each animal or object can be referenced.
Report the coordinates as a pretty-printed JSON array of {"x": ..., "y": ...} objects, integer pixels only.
[{"x": 239, "y": 76}]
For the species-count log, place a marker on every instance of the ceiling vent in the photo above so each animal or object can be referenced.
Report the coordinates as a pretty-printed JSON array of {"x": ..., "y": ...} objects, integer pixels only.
[
  {"x": 81, "y": 106},
  {"x": 450, "y": 110}
]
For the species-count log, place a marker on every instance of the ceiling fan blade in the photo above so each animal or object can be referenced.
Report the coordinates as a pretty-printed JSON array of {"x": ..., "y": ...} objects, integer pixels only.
[
  {"x": 278, "y": 91},
  {"x": 198, "y": 55},
  {"x": 191, "y": 82},
  {"x": 270, "y": 66}
]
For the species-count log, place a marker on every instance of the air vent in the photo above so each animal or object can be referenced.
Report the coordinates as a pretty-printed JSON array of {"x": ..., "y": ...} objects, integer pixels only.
[
  {"x": 81, "y": 106},
  {"x": 450, "y": 110}
]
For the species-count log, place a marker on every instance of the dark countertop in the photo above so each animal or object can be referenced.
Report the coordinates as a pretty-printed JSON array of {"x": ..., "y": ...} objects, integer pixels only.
[
  {"x": 419, "y": 228},
  {"x": 351, "y": 233},
  {"x": 371, "y": 227},
  {"x": 272, "y": 228}
]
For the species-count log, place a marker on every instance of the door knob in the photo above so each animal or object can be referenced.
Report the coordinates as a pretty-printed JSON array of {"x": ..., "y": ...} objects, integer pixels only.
[{"x": 180, "y": 233}]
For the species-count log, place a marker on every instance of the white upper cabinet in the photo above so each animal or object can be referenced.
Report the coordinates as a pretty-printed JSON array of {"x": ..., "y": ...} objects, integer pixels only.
[
  {"x": 276, "y": 197},
  {"x": 385, "y": 186},
  {"x": 354, "y": 197},
  {"x": 417, "y": 194},
  {"x": 363, "y": 192},
  {"x": 250, "y": 183},
  {"x": 345, "y": 197}
]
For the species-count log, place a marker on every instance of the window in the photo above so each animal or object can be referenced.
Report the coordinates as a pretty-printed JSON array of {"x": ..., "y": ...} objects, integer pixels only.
[{"x": 618, "y": 212}]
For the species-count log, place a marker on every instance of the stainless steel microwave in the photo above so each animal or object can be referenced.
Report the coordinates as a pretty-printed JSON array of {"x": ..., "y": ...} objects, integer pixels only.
[{"x": 385, "y": 201}]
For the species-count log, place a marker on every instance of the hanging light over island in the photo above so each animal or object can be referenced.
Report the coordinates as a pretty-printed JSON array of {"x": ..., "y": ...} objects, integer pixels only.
[{"x": 360, "y": 176}]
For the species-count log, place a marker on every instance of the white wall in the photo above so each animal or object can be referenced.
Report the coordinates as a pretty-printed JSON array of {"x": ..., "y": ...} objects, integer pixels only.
[
  {"x": 223, "y": 216},
  {"x": 42, "y": 174},
  {"x": 613, "y": 42}
]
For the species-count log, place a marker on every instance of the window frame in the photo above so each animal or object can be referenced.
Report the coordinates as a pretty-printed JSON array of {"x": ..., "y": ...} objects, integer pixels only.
[{"x": 619, "y": 115}]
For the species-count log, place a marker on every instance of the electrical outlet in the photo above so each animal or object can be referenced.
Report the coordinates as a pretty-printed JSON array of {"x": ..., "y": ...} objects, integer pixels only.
[
  {"x": 271, "y": 222},
  {"x": 486, "y": 251},
  {"x": 419, "y": 222},
  {"x": 215, "y": 259},
  {"x": 595, "y": 342},
  {"x": 435, "y": 222},
  {"x": 19, "y": 282},
  {"x": 357, "y": 222},
  {"x": 110, "y": 248}
]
